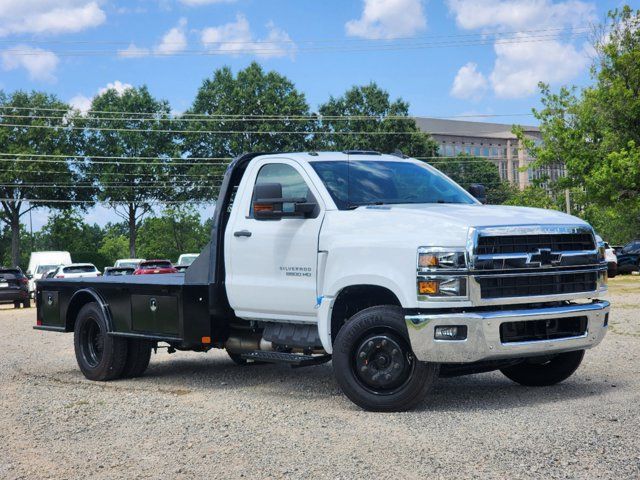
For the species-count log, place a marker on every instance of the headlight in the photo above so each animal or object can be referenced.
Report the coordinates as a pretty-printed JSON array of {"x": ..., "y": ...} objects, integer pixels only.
[
  {"x": 442, "y": 286},
  {"x": 441, "y": 273},
  {"x": 434, "y": 259}
]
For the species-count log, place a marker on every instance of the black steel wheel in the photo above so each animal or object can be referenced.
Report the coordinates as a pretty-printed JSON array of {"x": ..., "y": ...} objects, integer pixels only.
[
  {"x": 99, "y": 355},
  {"x": 545, "y": 371},
  {"x": 374, "y": 365}
]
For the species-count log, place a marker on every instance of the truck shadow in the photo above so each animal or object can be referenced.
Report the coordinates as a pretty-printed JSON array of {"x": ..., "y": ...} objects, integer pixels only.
[{"x": 485, "y": 391}]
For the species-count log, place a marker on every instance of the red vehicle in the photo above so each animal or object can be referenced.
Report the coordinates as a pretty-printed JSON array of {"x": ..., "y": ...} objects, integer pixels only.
[{"x": 155, "y": 266}]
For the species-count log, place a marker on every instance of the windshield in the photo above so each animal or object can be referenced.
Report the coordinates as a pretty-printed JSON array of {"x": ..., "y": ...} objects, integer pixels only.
[
  {"x": 374, "y": 182},
  {"x": 127, "y": 264},
  {"x": 79, "y": 269},
  {"x": 156, "y": 265},
  {"x": 45, "y": 268}
]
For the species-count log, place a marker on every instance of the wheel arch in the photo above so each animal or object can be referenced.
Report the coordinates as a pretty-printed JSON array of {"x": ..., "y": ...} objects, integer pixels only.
[
  {"x": 355, "y": 298},
  {"x": 79, "y": 300}
]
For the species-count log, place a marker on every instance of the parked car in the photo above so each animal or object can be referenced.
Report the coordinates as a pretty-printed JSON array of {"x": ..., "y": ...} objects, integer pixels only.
[
  {"x": 128, "y": 262},
  {"x": 629, "y": 257},
  {"x": 155, "y": 266},
  {"x": 77, "y": 270},
  {"x": 14, "y": 287},
  {"x": 42, "y": 262},
  {"x": 610, "y": 257},
  {"x": 118, "y": 271},
  {"x": 187, "y": 259}
]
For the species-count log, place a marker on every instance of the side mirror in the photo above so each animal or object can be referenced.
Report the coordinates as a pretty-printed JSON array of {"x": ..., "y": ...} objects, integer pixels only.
[
  {"x": 269, "y": 204},
  {"x": 479, "y": 192},
  {"x": 29, "y": 275}
]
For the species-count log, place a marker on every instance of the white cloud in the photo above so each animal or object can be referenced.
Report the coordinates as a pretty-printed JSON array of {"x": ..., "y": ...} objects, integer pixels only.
[
  {"x": 520, "y": 66},
  {"x": 236, "y": 38},
  {"x": 40, "y": 64},
  {"x": 174, "y": 41},
  {"x": 469, "y": 82},
  {"x": 388, "y": 19},
  {"x": 198, "y": 3},
  {"x": 133, "y": 51},
  {"x": 46, "y": 16},
  {"x": 524, "y": 59},
  {"x": 83, "y": 103},
  {"x": 118, "y": 86},
  {"x": 520, "y": 14}
]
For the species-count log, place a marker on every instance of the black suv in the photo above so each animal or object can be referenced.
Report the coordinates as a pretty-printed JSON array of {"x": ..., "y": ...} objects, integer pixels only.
[{"x": 14, "y": 287}]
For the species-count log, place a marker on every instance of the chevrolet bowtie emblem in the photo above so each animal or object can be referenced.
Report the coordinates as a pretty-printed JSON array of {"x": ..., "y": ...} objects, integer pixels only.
[{"x": 544, "y": 257}]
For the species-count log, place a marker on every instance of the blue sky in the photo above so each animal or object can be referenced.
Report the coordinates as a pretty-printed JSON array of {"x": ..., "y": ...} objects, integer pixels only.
[{"x": 75, "y": 48}]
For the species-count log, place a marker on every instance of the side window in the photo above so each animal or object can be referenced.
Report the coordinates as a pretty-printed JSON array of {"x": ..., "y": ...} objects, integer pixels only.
[{"x": 293, "y": 185}]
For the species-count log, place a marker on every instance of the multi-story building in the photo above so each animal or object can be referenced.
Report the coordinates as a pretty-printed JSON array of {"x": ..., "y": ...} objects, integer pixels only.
[{"x": 493, "y": 141}]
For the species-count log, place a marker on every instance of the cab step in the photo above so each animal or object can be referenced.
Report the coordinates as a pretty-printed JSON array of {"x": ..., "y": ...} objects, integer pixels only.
[{"x": 293, "y": 359}]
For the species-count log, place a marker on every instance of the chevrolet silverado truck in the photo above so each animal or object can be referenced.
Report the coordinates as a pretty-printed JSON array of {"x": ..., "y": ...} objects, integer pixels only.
[{"x": 379, "y": 263}]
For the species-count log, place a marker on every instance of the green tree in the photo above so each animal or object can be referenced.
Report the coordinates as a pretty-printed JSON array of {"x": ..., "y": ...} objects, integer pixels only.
[
  {"x": 466, "y": 170},
  {"x": 115, "y": 143},
  {"x": 265, "y": 107},
  {"x": 375, "y": 123},
  {"x": 113, "y": 247},
  {"x": 29, "y": 130},
  {"x": 67, "y": 230},
  {"x": 178, "y": 230},
  {"x": 595, "y": 131},
  {"x": 532, "y": 196}
]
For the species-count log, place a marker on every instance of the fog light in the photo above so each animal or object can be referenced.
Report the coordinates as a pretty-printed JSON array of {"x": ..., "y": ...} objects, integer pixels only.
[{"x": 453, "y": 332}]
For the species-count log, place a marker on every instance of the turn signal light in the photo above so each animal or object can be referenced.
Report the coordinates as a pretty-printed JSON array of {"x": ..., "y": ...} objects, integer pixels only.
[
  {"x": 428, "y": 288},
  {"x": 428, "y": 260}
]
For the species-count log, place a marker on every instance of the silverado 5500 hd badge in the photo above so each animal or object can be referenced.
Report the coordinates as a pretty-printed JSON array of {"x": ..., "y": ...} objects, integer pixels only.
[{"x": 296, "y": 271}]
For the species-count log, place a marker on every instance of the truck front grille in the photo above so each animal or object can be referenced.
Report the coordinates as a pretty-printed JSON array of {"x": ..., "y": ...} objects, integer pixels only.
[
  {"x": 561, "y": 242},
  {"x": 537, "y": 284},
  {"x": 535, "y": 330}
]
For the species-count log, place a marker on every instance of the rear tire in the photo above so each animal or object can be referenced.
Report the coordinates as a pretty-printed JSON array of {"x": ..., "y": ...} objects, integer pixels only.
[
  {"x": 26, "y": 303},
  {"x": 138, "y": 357},
  {"x": 540, "y": 373},
  {"x": 100, "y": 356},
  {"x": 16, "y": 304},
  {"x": 374, "y": 365}
]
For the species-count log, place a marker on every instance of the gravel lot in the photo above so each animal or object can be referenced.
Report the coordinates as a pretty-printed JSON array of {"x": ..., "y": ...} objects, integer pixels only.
[{"x": 195, "y": 415}]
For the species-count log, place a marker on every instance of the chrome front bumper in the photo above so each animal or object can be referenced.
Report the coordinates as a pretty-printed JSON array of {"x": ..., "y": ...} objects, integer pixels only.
[{"x": 483, "y": 333}]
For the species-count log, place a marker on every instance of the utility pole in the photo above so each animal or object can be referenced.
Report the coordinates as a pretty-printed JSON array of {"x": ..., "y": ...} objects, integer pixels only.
[{"x": 567, "y": 200}]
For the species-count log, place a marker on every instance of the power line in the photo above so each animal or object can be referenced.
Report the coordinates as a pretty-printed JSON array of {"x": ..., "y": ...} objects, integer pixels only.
[
  {"x": 222, "y": 132},
  {"x": 314, "y": 41},
  {"x": 278, "y": 48},
  {"x": 115, "y": 202},
  {"x": 241, "y": 116}
]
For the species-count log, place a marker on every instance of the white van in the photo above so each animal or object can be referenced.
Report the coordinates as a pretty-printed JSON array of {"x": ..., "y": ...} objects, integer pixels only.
[{"x": 41, "y": 263}]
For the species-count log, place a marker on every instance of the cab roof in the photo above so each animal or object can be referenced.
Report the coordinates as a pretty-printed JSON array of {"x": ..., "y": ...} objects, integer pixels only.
[{"x": 352, "y": 155}]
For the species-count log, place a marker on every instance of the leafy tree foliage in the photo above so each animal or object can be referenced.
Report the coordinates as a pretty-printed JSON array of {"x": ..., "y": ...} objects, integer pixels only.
[
  {"x": 466, "y": 170},
  {"x": 532, "y": 196},
  {"x": 252, "y": 103},
  {"x": 130, "y": 188},
  {"x": 24, "y": 173},
  {"x": 370, "y": 108},
  {"x": 178, "y": 230},
  {"x": 596, "y": 131},
  {"x": 114, "y": 246}
]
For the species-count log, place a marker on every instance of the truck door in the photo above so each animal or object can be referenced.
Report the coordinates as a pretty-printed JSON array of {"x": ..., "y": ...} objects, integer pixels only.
[{"x": 271, "y": 264}]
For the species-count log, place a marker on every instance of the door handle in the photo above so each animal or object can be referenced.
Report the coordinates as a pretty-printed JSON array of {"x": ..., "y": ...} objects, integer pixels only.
[{"x": 242, "y": 233}]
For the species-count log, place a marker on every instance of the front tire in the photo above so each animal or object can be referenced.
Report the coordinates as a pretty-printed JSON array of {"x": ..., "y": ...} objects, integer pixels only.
[
  {"x": 100, "y": 356},
  {"x": 16, "y": 304},
  {"x": 26, "y": 303},
  {"x": 545, "y": 371},
  {"x": 374, "y": 365}
]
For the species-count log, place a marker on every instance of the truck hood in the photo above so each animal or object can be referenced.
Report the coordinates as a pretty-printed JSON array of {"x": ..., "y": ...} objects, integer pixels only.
[{"x": 437, "y": 224}]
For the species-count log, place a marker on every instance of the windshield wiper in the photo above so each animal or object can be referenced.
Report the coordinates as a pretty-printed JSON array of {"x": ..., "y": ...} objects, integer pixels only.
[{"x": 353, "y": 206}]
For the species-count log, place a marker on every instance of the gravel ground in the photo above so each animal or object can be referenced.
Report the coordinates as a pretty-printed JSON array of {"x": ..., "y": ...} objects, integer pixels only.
[{"x": 195, "y": 415}]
